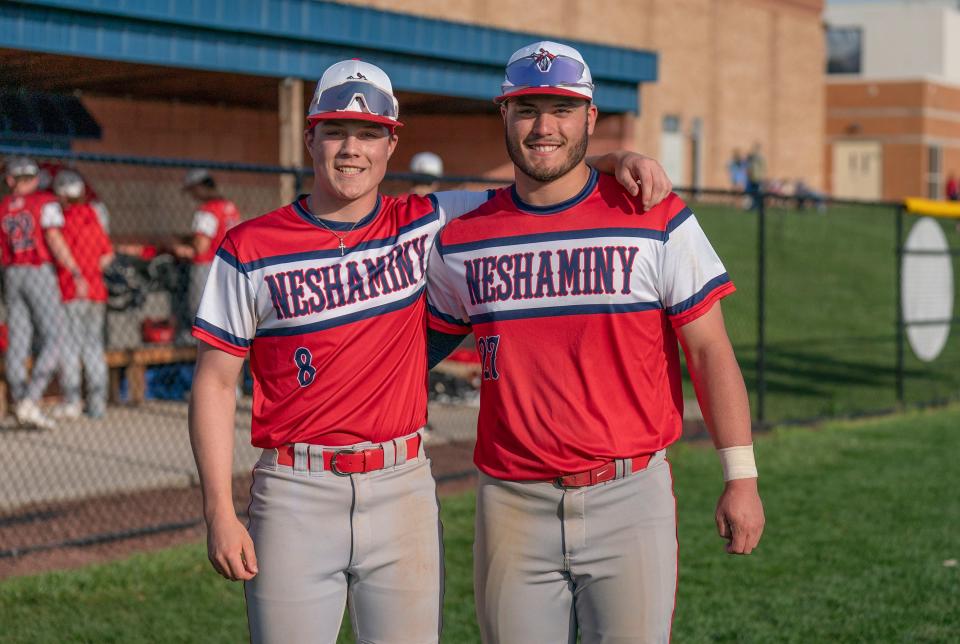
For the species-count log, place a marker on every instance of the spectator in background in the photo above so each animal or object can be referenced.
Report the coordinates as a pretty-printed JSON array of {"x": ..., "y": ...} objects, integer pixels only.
[
  {"x": 737, "y": 169},
  {"x": 430, "y": 166},
  {"x": 756, "y": 173},
  {"x": 85, "y": 312},
  {"x": 215, "y": 215},
  {"x": 953, "y": 188},
  {"x": 31, "y": 224},
  {"x": 805, "y": 194}
]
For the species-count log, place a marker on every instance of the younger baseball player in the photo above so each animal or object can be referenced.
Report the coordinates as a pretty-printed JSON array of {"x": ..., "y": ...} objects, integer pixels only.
[
  {"x": 215, "y": 215},
  {"x": 577, "y": 299},
  {"x": 326, "y": 296},
  {"x": 30, "y": 234},
  {"x": 85, "y": 315}
]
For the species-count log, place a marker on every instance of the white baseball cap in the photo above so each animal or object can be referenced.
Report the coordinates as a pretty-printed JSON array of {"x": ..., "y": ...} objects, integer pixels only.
[
  {"x": 546, "y": 67},
  {"x": 354, "y": 90},
  {"x": 427, "y": 163},
  {"x": 195, "y": 177},
  {"x": 68, "y": 184},
  {"x": 22, "y": 167}
]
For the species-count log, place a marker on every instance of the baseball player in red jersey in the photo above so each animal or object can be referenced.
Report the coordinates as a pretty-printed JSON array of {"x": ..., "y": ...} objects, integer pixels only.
[
  {"x": 30, "y": 236},
  {"x": 83, "y": 352},
  {"x": 215, "y": 215},
  {"x": 577, "y": 301},
  {"x": 326, "y": 297}
]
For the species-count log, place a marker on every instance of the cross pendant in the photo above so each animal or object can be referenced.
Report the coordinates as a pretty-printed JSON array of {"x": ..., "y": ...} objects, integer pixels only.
[{"x": 343, "y": 248}]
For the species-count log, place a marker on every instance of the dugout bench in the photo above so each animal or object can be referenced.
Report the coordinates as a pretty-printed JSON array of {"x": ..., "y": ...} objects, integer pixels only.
[{"x": 132, "y": 362}]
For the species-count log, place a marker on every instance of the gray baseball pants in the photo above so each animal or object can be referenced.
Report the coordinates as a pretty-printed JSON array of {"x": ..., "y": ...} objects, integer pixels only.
[
  {"x": 85, "y": 348},
  {"x": 32, "y": 298},
  {"x": 603, "y": 559},
  {"x": 370, "y": 541}
]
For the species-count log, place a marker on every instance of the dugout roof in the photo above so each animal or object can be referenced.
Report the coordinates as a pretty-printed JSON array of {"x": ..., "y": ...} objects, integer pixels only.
[{"x": 280, "y": 38}]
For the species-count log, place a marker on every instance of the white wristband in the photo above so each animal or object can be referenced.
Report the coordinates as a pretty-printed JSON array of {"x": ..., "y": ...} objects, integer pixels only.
[{"x": 738, "y": 462}]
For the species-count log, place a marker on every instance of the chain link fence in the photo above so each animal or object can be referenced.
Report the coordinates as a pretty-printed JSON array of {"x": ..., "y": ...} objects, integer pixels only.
[
  {"x": 127, "y": 469},
  {"x": 815, "y": 325}
]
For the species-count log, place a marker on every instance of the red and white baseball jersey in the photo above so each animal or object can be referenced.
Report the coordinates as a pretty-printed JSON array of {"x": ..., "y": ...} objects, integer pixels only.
[
  {"x": 22, "y": 222},
  {"x": 337, "y": 343},
  {"x": 574, "y": 309},
  {"x": 88, "y": 243},
  {"x": 213, "y": 219}
]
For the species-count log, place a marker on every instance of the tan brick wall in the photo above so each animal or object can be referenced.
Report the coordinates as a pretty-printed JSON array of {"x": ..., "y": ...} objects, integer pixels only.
[
  {"x": 752, "y": 70},
  {"x": 906, "y": 118}
]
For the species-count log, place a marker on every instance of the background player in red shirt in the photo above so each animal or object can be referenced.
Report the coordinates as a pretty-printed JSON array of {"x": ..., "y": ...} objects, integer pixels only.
[
  {"x": 93, "y": 252},
  {"x": 30, "y": 223},
  {"x": 214, "y": 216},
  {"x": 577, "y": 298},
  {"x": 326, "y": 296}
]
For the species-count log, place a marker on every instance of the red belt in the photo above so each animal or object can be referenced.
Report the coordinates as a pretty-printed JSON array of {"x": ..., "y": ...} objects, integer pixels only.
[
  {"x": 605, "y": 472},
  {"x": 349, "y": 460}
]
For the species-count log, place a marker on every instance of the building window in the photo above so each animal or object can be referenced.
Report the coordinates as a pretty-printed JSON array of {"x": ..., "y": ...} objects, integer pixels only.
[
  {"x": 844, "y": 49},
  {"x": 671, "y": 123},
  {"x": 935, "y": 172}
]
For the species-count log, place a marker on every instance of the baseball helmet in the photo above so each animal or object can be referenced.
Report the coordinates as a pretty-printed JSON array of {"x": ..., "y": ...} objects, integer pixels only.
[
  {"x": 22, "y": 167},
  {"x": 546, "y": 67},
  {"x": 68, "y": 185},
  {"x": 427, "y": 163},
  {"x": 355, "y": 90}
]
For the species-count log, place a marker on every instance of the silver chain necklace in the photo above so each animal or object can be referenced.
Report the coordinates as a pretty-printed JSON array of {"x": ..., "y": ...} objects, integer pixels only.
[{"x": 343, "y": 246}]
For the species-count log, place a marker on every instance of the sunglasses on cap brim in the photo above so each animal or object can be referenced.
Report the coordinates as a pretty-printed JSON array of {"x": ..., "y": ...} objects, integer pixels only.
[
  {"x": 349, "y": 96},
  {"x": 538, "y": 71}
]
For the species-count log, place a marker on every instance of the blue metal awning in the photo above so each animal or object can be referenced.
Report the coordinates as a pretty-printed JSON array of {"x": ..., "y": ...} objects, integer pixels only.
[{"x": 300, "y": 38}]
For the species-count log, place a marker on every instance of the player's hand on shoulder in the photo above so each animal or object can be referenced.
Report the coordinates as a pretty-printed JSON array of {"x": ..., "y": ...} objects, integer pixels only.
[
  {"x": 230, "y": 549},
  {"x": 739, "y": 516},
  {"x": 645, "y": 176}
]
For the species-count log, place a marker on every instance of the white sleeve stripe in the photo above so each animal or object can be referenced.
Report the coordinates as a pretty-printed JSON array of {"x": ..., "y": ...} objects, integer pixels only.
[
  {"x": 51, "y": 215},
  {"x": 205, "y": 223}
]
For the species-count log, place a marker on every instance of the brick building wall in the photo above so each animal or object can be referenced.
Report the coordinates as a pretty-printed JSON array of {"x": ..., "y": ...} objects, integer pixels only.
[
  {"x": 906, "y": 118},
  {"x": 751, "y": 70},
  {"x": 748, "y": 70}
]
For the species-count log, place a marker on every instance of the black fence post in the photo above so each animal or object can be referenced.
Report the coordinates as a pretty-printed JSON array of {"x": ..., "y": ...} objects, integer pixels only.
[
  {"x": 761, "y": 306},
  {"x": 898, "y": 287},
  {"x": 298, "y": 182}
]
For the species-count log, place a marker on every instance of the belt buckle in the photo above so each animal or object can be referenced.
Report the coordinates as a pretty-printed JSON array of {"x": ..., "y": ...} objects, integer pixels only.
[{"x": 333, "y": 460}]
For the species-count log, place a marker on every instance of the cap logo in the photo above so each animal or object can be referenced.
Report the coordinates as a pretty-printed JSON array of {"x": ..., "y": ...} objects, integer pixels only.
[
  {"x": 543, "y": 60},
  {"x": 358, "y": 76}
]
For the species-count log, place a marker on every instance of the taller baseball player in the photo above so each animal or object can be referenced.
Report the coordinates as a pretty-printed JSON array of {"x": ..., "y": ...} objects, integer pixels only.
[
  {"x": 577, "y": 299},
  {"x": 326, "y": 296},
  {"x": 30, "y": 236}
]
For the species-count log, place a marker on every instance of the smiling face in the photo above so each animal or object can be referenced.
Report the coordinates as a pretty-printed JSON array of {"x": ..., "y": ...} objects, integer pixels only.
[
  {"x": 349, "y": 157},
  {"x": 547, "y": 135}
]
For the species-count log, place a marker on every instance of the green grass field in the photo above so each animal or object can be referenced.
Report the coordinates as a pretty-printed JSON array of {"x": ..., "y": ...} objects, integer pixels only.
[
  {"x": 830, "y": 312},
  {"x": 861, "y": 518}
]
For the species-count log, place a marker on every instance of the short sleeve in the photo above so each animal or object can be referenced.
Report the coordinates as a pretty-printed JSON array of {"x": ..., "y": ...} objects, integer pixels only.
[
  {"x": 103, "y": 215},
  {"x": 445, "y": 311},
  {"x": 451, "y": 204},
  {"x": 227, "y": 316},
  {"x": 205, "y": 223},
  {"x": 692, "y": 277},
  {"x": 51, "y": 215}
]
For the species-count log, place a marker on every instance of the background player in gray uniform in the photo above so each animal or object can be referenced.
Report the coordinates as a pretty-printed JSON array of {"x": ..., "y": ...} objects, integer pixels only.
[
  {"x": 83, "y": 350},
  {"x": 30, "y": 224}
]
